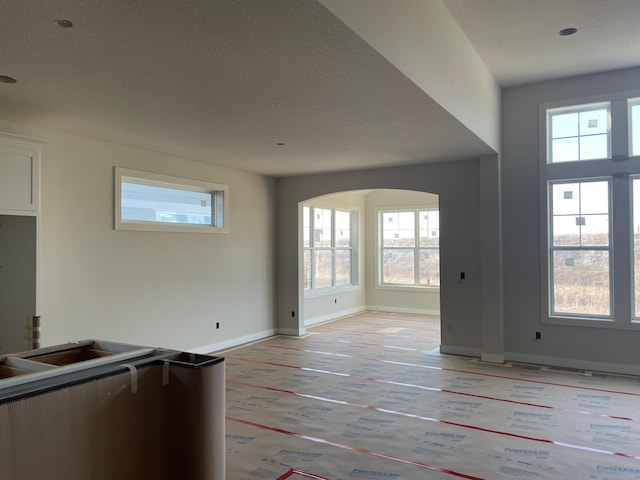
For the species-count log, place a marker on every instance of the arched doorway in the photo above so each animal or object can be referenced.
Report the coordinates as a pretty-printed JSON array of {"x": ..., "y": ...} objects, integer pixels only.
[{"x": 374, "y": 249}]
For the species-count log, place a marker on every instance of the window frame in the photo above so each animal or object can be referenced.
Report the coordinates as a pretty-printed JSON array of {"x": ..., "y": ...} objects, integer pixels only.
[
  {"x": 219, "y": 195},
  {"x": 312, "y": 290},
  {"x": 578, "y": 248},
  {"x": 380, "y": 211},
  {"x": 631, "y": 102},
  {"x": 619, "y": 171},
  {"x": 588, "y": 107}
]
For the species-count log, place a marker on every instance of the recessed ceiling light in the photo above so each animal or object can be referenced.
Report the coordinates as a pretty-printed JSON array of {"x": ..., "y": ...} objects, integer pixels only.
[
  {"x": 567, "y": 31},
  {"x": 7, "y": 79},
  {"x": 64, "y": 23}
]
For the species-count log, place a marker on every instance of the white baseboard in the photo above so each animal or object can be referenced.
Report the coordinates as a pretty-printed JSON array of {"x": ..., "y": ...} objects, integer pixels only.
[
  {"x": 463, "y": 351},
  {"x": 417, "y": 311},
  {"x": 492, "y": 357},
  {"x": 308, "y": 322},
  {"x": 292, "y": 332},
  {"x": 234, "y": 342},
  {"x": 620, "y": 368}
]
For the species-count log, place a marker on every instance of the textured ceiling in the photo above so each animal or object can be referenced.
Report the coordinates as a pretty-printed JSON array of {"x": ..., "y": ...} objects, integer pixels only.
[
  {"x": 519, "y": 42},
  {"x": 221, "y": 81},
  {"x": 224, "y": 81}
]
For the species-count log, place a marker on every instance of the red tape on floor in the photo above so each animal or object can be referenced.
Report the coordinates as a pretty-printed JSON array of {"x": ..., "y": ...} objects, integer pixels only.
[
  {"x": 442, "y": 390},
  {"x": 446, "y": 369},
  {"x": 355, "y": 449},
  {"x": 300, "y": 473},
  {"x": 438, "y": 420}
]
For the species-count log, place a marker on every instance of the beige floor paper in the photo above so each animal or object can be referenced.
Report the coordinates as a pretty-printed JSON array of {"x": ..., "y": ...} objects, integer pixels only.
[{"x": 369, "y": 397}]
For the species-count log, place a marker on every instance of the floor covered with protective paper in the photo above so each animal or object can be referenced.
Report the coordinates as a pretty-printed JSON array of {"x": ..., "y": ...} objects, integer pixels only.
[{"x": 369, "y": 396}]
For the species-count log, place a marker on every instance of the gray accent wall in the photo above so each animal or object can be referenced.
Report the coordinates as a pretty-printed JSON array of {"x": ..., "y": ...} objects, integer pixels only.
[
  {"x": 588, "y": 346},
  {"x": 458, "y": 185},
  {"x": 408, "y": 300}
]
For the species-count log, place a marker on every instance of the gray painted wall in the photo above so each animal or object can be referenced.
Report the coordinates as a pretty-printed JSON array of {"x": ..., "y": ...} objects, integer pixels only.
[
  {"x": 457, "y": 184},
  {"x": 17, "y": 281},
  {"x": 389, "y": 298},
  {"x": 561, "y": 345},
  {"x": 327, "y": 304}
]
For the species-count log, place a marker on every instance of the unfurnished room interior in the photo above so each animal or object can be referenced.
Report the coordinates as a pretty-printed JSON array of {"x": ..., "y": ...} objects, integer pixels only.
[{"x": 326, "y": 239}]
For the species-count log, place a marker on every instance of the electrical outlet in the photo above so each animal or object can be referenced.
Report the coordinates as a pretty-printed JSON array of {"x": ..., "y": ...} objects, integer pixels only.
[
  {"x": 538, "y": 336},
  {"x": 217, "y": 324}
]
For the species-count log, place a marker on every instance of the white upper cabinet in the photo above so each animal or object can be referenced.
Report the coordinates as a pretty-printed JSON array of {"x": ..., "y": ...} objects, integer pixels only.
[{"x": 19, "y": 174}]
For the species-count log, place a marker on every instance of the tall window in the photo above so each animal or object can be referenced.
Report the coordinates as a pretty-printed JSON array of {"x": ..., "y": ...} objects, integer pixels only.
[
  {"x": 328, "y": 239},
  {"x": 636, "y": 245},
  {"x": 580, "y": 248},
  {"x": 593, "y": 205},
  {"x": 409, "y": 246}
]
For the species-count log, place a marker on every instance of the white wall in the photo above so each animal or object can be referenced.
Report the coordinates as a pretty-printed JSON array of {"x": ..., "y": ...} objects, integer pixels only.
[
  {"x": 578, "y": 346},
  {"x": 150, "y": 288},
  {"x": 395, "y": 299},
  {"x": 423, "y": 40}
]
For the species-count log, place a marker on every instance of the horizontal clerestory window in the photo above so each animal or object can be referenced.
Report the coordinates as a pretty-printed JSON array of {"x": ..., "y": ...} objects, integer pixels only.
[{"x": 153, "y": 202}]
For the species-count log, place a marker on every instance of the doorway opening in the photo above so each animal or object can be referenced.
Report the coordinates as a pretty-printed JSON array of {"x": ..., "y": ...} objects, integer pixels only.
[
  {"x": 17, "y": 281},
  {"x": 372, "y": 249}
]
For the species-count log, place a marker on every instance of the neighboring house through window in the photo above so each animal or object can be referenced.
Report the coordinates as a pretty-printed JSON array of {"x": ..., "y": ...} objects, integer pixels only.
[
  {"x": 329, "y": 247},
  {"x": 150, "y": 201},
  {"x": 409, "y": 247}
]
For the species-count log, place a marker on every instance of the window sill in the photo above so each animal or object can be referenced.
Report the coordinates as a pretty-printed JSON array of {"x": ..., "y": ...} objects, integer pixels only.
[
  {"x": 330, "y": 291},
  {"x": 409, "y": 288},
  {"x": 592, "y": 323}
]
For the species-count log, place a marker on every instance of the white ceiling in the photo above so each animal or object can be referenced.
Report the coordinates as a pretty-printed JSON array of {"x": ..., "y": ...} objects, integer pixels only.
[
  {"x": 224, "y": 81},
  {"x": 519, "y": 42}
]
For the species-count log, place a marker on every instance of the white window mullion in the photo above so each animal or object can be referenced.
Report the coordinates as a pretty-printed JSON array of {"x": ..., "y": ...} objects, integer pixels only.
[
  {"x": 312, "y": 245},
  {"x": 333, "y": 248}
]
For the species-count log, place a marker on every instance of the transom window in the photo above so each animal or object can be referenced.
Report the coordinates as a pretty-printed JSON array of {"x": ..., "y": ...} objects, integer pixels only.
[
  {"x": 328, "y": 239},
  {"x": 409, "y": 247},
  {"x": 578, "y": 133}
]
